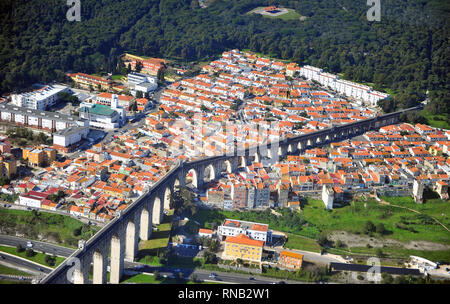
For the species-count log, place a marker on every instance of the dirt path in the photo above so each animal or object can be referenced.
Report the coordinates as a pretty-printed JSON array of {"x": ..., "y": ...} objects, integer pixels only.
[
  {"x": 357, "y": 240},
  {"x": 383, "y": 202}
]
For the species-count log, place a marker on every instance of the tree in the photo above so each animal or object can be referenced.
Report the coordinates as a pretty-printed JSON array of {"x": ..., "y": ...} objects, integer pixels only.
[
  {"x": 210, "y": 258},
  {"x": 156, "y": 275},
  {"x": 138, "y": 66},
  {"x": 239, "y": 261},
  {"x": 4, "y": 181},
  {"x": 50, "y": 260},
  {"x": 322, "y": 240},
  {"x": 29, "y": 252},
  {"x": 77, "y": 231},
  {"x": 214, "y": 246},
  {"x": 160, "y": 76},
  {"x": 180, "y": 276},
  {"x": 380, "y": 228},
  {"x": 19, "y": 248},
  {"x": 386, "y": 278},
  {"x": 379, "y": 252},
  {"x": 369, "y": 227},
  {"x": 194, "y": 278}
]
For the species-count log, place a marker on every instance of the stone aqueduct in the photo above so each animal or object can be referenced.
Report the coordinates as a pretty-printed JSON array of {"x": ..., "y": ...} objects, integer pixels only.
[{"x": 117, "y": 242}]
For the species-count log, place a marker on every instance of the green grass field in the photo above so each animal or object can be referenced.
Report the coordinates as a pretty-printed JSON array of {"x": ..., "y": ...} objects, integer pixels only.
[
  {"x": 12, "y": 271},
  {"x": 301, "y": 243},
  {"x": 38, "y": 257},
  {"x": 58, "y": 228},
  {"x": 353, "y": 217},
  {"x": 436, "y": 121},
  {"x": 117, "y": 77},
  {"x": 149, "y": 250}
]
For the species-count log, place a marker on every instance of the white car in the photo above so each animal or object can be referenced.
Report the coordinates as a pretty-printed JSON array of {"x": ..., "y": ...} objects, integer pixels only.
[{"x": 29, "y": 244}]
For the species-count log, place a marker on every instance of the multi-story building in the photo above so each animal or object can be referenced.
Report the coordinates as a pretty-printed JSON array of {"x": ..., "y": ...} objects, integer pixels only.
[
  {"x": 151, "y": 66},
  {"x": 69, "y": 137},
  {"x": 328, "y": 196},
  {"x": 142, "y": 82},
  {"x": 262, "y": 196},
  {"x": 32, "y": 199},
  {"x": 37, "y": 119},
  {"x": 290, "y": 260},
  {"x": 35, "y": 157},
  {"x": 243, "y": 247},
  {"x": 239, "y": 196},
  {"x": 86, "y": 80},
  {"x": 8, "y": 167},
  {"x": 100, "y": 116},
  {"x": 255, "y": 231},
  {"x": 39, "y": 156},
  {"x": 5, "y": 145},
  {"x": 41, "y": 99}
]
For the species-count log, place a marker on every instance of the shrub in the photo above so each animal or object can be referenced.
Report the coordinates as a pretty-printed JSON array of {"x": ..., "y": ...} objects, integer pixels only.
[
  {"x": 19, "y": 248},
  {"x": 369, "y": 227},
  {"x": 386, "y": 278},
  {"x": 322, "y": 240},
  {"x": 77, "y": 231},
  {"x": 156, "y": 275},
  {"x": 380, "y": 228},
  {"x": 50, "y": 260},
  {"x": 29, "y": 252},
  {"x": 379, "y": 252}
]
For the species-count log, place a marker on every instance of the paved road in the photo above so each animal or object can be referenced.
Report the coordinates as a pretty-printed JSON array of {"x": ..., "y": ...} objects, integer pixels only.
[
  {"x": 23, "y": 265},
  {"x": 38, "y": 246}
]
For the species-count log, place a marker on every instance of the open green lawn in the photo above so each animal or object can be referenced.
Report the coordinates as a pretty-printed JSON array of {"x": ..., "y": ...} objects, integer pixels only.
[
  {"x": 54, "y": 227},
  {"x": 353, "y": 217},
  {"x": 12, "y": 271},
  {"x": 149, "y": 250},
  {"x": 38, "y": 257},
  {"x": 117, "y": 77},
  {"x": 436, "y": 121},
  {"x": 301, "y": 243}
]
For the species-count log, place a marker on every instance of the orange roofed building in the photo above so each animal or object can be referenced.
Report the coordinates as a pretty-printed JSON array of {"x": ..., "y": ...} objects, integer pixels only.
[
  {"x": 290, "y": 260},
  {"x": 243, "y": 247}
]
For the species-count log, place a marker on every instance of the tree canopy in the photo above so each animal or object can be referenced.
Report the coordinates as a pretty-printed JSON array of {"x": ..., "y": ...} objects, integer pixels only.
[{"x": 407, "y": 51}]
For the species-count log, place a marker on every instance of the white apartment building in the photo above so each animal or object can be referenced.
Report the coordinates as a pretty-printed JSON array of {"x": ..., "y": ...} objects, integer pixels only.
[
  {"x": 348, "y": 88},
  {"x": 255, "y": 231},
  {"x": 40, "y": 99},
  {"x": 37, "y": 119},
  {"x": 70, "y": 136},
  {"x": 142, "y": 82}
]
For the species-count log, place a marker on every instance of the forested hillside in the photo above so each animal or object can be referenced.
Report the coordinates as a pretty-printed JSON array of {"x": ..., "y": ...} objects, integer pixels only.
[{"x": 407, "y": 52}]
